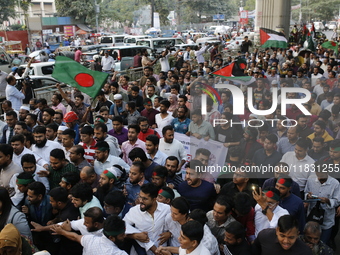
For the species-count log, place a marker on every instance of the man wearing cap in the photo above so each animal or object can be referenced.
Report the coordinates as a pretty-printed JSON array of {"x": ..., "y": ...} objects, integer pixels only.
[
  {"x": 104, "y": 160},
  {"x": 71, "y": 119},
  {"x": 292, "y": 203},
  {"x": 107, "y": 63},
  {"x": 24, "y": 110},
  {"x": 118, "y": 107},
  {"x": 107, "y": 181},
  {"x": 149, "y": 112},
  {"x": 267, "y": 209}
]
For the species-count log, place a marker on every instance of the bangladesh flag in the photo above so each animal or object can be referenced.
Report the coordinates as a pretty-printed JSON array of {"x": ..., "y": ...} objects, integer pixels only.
[
  {"x": 331, "y": 45},
  {"x": 235, "y": 71},
  {"x": 270, "y": 38},
  {"x": 74, "y": 74}
]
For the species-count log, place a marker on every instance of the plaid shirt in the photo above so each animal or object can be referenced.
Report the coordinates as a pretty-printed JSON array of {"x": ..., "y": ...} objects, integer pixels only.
[{"x": 55, "y": 175}]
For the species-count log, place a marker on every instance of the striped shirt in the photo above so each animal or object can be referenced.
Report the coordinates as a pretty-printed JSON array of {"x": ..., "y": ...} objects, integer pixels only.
[{"x": 89, "y": 151}]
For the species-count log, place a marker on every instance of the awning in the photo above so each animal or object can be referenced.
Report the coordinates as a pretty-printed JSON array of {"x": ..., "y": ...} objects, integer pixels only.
[
  {"x": 84, "y": 27},
  {"x": 81, "y": 32}
]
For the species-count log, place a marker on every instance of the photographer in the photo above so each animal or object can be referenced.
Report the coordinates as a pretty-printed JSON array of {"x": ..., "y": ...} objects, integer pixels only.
[
  {"x": 146, "y": 61},
  {"x": 199, "y": 51},
  {"x": 27, "y": 88},
  {"x": 164, "y": 59}
]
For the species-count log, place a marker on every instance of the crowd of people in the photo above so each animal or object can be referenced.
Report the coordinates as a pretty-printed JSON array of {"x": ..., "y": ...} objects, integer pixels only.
[{"x": 108, "y": 176}]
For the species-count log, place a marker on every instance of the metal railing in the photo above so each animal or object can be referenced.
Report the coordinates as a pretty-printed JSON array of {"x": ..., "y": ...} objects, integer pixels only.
[{"x": 133, "y": 73}]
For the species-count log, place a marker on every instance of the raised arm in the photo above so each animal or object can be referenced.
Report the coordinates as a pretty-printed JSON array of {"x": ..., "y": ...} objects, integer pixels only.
[{"x": 63, "y": 94}]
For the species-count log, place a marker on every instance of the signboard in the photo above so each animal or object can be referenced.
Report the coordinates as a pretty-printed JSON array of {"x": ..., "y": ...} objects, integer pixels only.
[
  {"x": 47, "y": 31},
  {"x": 244, "y": 17},
  {"x": 69, "y": 30},
  {"x": 218, "y": 17}
]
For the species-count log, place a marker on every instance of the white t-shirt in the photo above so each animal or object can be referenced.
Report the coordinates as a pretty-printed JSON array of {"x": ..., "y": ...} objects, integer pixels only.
[{"x": 165, "y": 66}]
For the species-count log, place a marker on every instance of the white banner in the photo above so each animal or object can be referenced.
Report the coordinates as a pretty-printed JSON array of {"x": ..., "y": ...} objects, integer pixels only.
[
  {"x": 295, "y": 7},
  {"x": 191, "y": 144}
]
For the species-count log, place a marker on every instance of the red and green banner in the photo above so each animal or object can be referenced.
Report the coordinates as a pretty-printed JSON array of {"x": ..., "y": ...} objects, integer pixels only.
[
  {"x": 331, "y": 45},
  {"x": 234, "y": 71},
  {"x": 74, "y": 74},
  {"x": 270, "y": 38}
]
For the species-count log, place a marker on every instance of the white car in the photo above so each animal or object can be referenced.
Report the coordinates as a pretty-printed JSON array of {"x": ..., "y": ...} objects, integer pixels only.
[
  {"x": 41, "y": 69},
  {"x": 319, "y": 26},
  {"x": 234, "y": 44},
  {"x": 331, "y": 25}
]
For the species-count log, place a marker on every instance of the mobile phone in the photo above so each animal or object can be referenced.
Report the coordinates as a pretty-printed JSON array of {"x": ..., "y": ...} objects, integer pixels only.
[
  {"x": 314, "y": 197},
  {"x": 256, "y": 188}
]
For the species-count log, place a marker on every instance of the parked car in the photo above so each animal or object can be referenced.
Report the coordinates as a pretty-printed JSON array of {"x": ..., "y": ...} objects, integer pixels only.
[
  {"x": 210, "y": 40},
  {"x": 41, "y": 69},
  {"x": 331, "y": 25},
  {"x": 159, "y": 44},
  {"x": 112, "y": 40},
  {"x": 43, "y": 86},
  {"x": 124, "y": 55},
  {"x": 131, "y": 39},
  {"x": 5, "y": 61},
  {"x": 319, "y": 26}
]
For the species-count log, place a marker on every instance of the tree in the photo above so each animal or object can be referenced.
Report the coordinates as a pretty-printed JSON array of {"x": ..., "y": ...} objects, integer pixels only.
[
  {"x": 7, "y": 8},
  {"x": 193, "y": 10},
  {"x": 79, "y": 9},
  {"x": 250, "y": 5}
]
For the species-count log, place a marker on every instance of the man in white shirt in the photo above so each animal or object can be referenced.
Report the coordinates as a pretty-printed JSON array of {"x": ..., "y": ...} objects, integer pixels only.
[
  {"x": 164, "y": 60},
  {"x": 13, "y": 94},
  {"x": 107, "y": 63},
  {"x": 113, "y": 235},
  {"x": 172, "y": 147},
  {"x": 149, "y": 217},
  {"x": 3, "y": 83},
  {"x": 199, "y": 53},
  {"x": 104, "y": 160},
  {"x": 163, "y": 118},
  {"x": 153, "y": 153},
  {"x": 42, "y": 146},
  {"x": 19, "y": 149},
  {"x": 267, "y": 209},
  {"x": 315, "y": 75},
  {"x": 300, "y": 164}
]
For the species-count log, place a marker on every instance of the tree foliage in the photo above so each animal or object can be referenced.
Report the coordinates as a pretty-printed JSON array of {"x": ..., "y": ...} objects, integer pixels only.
[
  {"x": 250, "y": 5},
  {"x": 192, "y": 11},
  {"x": 7, "y": 10},
  {"x": 78, "y": 9}
]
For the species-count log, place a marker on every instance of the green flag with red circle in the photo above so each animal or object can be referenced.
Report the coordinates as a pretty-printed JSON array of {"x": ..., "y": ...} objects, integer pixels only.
[{"x": 76, "y": 75}]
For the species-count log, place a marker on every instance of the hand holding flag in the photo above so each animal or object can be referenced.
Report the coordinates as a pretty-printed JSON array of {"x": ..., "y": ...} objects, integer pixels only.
[{"x": 74, "y": 74}]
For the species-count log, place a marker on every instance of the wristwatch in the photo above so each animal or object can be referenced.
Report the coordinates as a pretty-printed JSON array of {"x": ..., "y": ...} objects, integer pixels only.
[{"x": 264, "y": 211}]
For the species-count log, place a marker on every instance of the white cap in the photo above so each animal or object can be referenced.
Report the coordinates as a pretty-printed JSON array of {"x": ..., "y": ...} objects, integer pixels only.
[
  {"x": 24, "y": 107},
  {"x": 117, "y": 97},
  {"x": 62, "y": 128},
  {"x": 42, "y": 253},
  {"x": 114, "y": 170}
]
